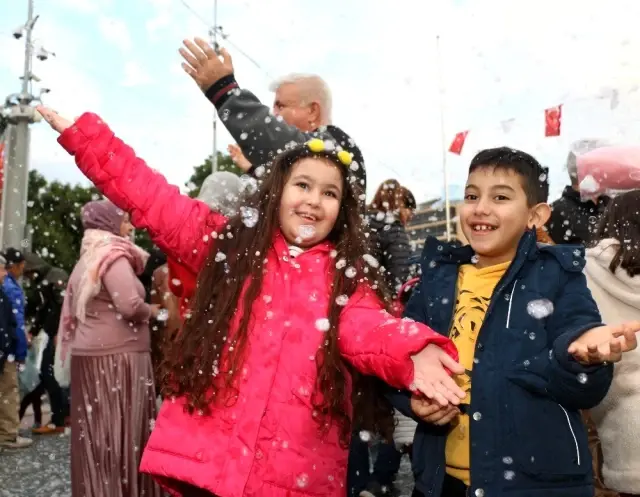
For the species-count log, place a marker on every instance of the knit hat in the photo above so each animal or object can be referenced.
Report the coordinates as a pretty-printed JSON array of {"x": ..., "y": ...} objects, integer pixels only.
[
  {"x": 13, "y": 256},
  {"x": 221, "y": 191},
  {"x": 102, "y": 215}
]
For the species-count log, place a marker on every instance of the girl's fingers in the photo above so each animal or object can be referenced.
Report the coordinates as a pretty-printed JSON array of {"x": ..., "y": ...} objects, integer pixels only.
[
  {"x": 441, "y": 399},
  {"x": 449, "y": 363},
  {"x": 451, "y": 386},
  {"x": 426, "y": 389}
]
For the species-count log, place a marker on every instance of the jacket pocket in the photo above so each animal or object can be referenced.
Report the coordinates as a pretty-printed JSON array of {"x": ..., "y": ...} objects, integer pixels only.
[{"x": 547, "y": 441}]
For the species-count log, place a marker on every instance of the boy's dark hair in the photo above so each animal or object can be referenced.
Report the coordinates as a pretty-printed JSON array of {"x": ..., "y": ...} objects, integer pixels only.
[
  {"x": 621, "y": 221},
  {"x": 535, "y": 177}
]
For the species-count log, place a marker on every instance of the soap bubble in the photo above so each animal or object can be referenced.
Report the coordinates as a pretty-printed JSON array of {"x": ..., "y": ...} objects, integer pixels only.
[
  {"x": 323, "y": 324},
  {"x": 306, "y": 231},
  {"x": 540, "y": 308},
  {"x": 249, "y": 216}
]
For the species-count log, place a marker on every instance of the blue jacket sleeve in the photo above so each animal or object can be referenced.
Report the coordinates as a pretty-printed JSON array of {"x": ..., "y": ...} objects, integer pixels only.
[
  {"x": 16, "y": 298},
  {"x": 554, "y": 372}
]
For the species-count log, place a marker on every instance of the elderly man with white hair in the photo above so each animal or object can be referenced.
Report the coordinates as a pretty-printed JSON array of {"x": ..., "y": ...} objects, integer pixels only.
[{"x": 302, "y": 107}]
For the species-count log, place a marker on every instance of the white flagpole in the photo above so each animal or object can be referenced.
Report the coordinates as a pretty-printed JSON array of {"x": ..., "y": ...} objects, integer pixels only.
[{"x": 447, "y": 201}]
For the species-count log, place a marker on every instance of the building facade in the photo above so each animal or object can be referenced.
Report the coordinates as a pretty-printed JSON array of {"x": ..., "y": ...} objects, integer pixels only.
[{"x": 430, "y": 220}]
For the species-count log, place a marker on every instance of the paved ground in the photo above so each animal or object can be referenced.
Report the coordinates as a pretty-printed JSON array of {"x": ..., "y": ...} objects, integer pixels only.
[{"x": 42, "y": 470}]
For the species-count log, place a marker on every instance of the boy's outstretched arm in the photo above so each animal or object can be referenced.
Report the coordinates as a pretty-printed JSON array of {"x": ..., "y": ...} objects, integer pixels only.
[{"x": 556, "y": 373}]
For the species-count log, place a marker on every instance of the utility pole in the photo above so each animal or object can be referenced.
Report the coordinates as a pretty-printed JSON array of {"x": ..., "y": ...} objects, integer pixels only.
[
  {"x": 445, "y": 171},
  {"x": 214, "y": 41},
  {"x": 20, "y": 114}
]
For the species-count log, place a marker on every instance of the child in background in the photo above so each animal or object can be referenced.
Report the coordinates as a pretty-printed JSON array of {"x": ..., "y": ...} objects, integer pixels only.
[
  {"x": 530, "y": 339},
  {"x": 613, "y": 276},
  {"x": 287, "y": 304}
]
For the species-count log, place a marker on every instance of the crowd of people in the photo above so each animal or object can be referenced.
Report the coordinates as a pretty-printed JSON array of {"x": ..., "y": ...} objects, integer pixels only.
[{"x": 290, "y": 332}]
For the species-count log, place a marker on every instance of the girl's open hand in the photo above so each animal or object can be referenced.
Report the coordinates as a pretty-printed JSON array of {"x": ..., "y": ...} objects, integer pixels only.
[
  {"x": 55, "y": 120},
  {"x": 432, "y": 379},
  {"x": 605, "y": 343}
]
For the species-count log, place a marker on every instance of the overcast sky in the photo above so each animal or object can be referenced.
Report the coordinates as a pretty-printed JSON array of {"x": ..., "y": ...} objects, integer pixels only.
[{"x": 500, "y": 60}]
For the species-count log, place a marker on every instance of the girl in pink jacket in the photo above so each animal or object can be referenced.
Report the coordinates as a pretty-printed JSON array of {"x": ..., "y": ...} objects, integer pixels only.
[{"x": 287, "y": 307}]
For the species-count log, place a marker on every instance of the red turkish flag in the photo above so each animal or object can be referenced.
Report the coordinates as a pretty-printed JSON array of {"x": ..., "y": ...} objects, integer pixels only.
[
  {"x": 458, "y": 143},
  {"x": 553, "y": 121}
]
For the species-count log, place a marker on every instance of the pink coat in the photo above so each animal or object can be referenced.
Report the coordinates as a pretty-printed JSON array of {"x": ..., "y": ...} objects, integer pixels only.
[{"x": 266, "y": 443}]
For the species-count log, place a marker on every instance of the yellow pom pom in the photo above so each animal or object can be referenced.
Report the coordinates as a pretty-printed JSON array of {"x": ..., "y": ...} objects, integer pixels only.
[
  {"x": 345, "y": 157},
  {"x": 316, "y": 145}
]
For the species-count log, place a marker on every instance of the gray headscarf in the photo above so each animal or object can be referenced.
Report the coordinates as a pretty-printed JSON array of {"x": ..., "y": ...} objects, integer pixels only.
[
  {"x": 102, "y": 215},
  {"x": 221, "y": 191}
]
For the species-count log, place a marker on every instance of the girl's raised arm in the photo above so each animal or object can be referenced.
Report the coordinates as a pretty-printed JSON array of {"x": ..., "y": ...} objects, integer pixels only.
[{"x": 178, "y": 224}]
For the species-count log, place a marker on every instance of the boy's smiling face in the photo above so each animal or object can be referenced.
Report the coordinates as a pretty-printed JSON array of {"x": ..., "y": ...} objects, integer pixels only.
[{"x": 495, "y": 214}]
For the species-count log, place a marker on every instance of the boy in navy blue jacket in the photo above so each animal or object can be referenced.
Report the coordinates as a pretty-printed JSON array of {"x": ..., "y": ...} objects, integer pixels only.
[{"x": 529, "y": 336}]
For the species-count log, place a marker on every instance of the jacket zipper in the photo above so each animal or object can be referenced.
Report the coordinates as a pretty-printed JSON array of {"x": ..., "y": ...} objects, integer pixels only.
[{"x": 573, "y": 435}]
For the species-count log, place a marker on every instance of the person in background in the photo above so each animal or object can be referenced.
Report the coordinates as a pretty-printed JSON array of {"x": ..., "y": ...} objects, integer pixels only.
[
  {"x": 389, "y": 241},
  {"x": 613, "y": 276},
  {"x": 11, "y": 345},
  {"x": 409, "y": 206},
  {"x": 301, "y": 109},
  {"x": 574, "y": 220},
  {"x": 104, "y": 327},
  {"x": 163, "y": 332},
  {"x": 390, "y": 210},
  {"x": 156, "y": 260},
  {"x": 9, "y": 437},
  {"x": 8, "y": 336},
  {"x": 43, "y": 310},
  {"x": 222, "y": 192}
]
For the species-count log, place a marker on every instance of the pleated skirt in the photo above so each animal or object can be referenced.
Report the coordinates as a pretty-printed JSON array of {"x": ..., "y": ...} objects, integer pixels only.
[{"x": 113, "y": 409}]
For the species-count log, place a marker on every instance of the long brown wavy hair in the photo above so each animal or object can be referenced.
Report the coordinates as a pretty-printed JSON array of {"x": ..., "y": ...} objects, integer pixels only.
[
  {"x": 621, "y": 221},
  {"x": 203, "y": 362}
]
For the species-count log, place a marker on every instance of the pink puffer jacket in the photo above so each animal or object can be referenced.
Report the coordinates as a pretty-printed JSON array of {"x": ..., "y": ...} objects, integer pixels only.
[{"x": 265, "y": 443}]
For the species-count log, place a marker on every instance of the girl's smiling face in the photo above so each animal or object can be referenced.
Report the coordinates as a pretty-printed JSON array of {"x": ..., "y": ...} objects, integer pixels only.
[{"x": 310, "y": 201}]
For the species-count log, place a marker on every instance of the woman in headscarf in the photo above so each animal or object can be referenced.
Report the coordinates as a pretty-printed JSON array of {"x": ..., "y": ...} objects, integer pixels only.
[{"x": 104, "y": 328}]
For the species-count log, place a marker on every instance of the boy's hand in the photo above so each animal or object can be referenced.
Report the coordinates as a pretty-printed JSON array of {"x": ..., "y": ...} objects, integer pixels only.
[
  {"x": 432, "y": 379},
  {"x": 432, "y": 412},
  {"x": 605, "y": 343}
]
